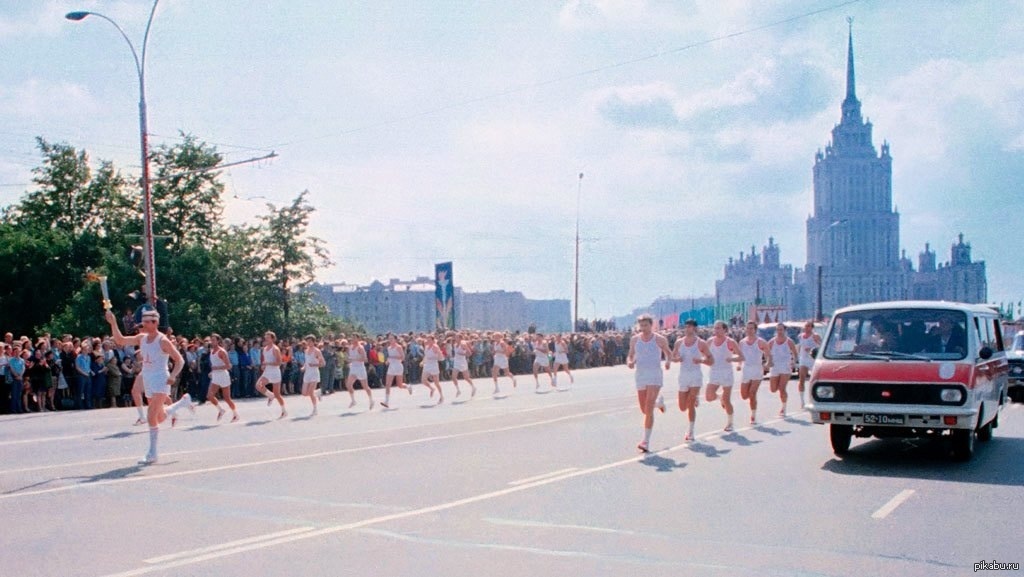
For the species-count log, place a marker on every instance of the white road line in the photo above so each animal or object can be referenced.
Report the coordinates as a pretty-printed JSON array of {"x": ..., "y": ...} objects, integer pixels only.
[
  {"x": 889, "y": 507},
  {"x": 302, "y": 457},
  {"x": 228, "y": 545},
  {"x": 283, "y": 441},
  {"x": 194, "y": 559},
  {"x": 545, "y": 475}
]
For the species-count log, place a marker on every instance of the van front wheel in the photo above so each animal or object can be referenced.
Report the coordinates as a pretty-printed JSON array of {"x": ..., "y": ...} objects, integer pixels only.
[
  {"x": 985, "y": 433},
  {"x": 840, "y": 436},
  {"x": 963, "y": 444}
]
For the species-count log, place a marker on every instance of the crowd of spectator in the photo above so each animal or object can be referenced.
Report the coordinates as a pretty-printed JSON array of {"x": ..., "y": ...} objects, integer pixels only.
[{"x": 61, "y": 373}]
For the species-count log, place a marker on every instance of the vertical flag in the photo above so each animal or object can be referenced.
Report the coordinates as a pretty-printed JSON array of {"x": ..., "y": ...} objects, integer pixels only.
[{"x": 444, "y": 296}]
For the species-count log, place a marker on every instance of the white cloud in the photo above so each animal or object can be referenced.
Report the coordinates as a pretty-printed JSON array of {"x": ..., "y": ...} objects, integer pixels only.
[{"x": 43, "y": 99}]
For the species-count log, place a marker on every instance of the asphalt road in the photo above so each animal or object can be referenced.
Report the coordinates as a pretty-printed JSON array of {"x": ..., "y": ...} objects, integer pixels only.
[{"x": 530, "y": 484}]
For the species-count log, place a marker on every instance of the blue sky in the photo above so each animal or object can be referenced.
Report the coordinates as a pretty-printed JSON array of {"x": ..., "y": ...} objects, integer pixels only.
[{"x": 430, "y": 131}]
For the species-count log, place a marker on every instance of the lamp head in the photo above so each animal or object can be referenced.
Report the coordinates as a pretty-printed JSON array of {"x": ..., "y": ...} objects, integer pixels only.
[{"x": 76, "y": 16}]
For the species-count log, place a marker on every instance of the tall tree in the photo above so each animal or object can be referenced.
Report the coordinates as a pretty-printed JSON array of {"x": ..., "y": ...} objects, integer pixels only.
[
  {"x": 289, "y": 255},
  {"x": 187, "y": 204}
]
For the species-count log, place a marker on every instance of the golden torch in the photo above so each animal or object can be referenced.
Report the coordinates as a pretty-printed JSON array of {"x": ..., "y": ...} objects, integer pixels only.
[{"x": 102, "y": 279}]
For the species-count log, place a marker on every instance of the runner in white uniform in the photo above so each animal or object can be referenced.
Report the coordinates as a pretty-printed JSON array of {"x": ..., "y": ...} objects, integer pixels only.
[
  {"x": 220, "y": 378},
  {"x": 646, "y": 350},
  {"x": 502, "y": 350},
  {"x": 781, "y": 354},
  {"x": 541, "y": 360},
  {"x": 753, "y": 348},
  {"x": 561, "y": 359},
  {"x": 808, "y": 341},
  {"x": 431, "y": 363},
  {"x": 460, "y": 353},
  {"x": 356, "y": 353},
  {"x": 396, "y": 370},
  {"x": 269, "y": 383},
  {"x": 156, "y": 350},
  {"x": 724, "y": 352},
  {"x": 311, "y": 371},
  {"x": 691, "y": 352}
]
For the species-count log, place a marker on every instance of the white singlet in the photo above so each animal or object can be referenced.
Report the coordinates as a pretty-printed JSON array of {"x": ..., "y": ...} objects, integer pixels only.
[
  {"x": 500, "y": 358},
  {"x": 219, "y": 372},
  {"x": 753, "y": 359},
  {"x": 154, "y": 366},
  {"x": 461, "y": 364},
  {"x": 806, "y": 345},
  {"x": 782, "y": 357},
  {"x": 271, "y": 373},
  {"x": 357, "y": 363},
  {"x": 395, "y": 366},
  {"x": 430, "y": 362},
  {"x": 721, "y": 367},
  {"x": 561, "y": 354},
  {"x": 690, "y": 374},
  {"x": 311, "y": 374},
  {"x": 540, "y": 356},
  {"x": 647, "y": 356}
]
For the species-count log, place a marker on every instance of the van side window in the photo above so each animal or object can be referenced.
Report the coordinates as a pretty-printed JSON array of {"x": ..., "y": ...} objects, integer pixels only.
[{"x": 997, "y": 334}]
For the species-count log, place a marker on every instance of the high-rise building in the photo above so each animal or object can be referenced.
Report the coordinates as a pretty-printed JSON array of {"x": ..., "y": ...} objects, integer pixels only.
[{"x": 853, "y": 236}]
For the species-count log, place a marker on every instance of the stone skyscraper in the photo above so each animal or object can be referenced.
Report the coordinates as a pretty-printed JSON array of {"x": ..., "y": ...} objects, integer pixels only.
[{"x": 853, "y": 235}]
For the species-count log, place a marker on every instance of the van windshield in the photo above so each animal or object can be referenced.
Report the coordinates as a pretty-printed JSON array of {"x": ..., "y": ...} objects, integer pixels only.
[
  {"x": 924, "y": 334},
  {"x": 1018, "y": 342}
]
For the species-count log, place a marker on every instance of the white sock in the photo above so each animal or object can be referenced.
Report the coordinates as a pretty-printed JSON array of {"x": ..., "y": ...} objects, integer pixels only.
[
  {"x": 692, "y": 424},
  {"x": 153, "y": 432},
  {"x": 555, "y": 379},
  {"x": 647, "y": 435},
  {"x": 142, "y": 416}
]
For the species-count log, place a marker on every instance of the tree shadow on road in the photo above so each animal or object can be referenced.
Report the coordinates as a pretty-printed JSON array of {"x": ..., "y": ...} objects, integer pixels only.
[
  {"x": 796, "y": 421},
  {"x": 258, "y": 423},
  {"x": 661, "y": 464},
  {"x": 201, "y": 427},
  {"x": 997, "y": 462}
]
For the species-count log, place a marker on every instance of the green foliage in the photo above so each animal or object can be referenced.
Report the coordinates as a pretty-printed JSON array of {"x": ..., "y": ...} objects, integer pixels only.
[{"x": 238, "y": 280}]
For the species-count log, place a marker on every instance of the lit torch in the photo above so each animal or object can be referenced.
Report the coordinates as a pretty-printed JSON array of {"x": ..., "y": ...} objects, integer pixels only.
[{"x": 102, "y": 279}]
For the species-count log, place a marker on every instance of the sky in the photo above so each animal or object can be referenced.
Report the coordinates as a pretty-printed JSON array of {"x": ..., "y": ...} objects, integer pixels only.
[{"x": 457, "y": 130}]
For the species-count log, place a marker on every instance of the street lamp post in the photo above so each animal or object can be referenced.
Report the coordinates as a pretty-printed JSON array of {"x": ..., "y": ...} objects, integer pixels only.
[
  {"x": 147, "y": 199},
  {"x": 576, "y": 298}
]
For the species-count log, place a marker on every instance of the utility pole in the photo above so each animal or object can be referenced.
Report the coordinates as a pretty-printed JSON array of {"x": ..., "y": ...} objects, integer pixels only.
[{"x": 576, "y": 297}]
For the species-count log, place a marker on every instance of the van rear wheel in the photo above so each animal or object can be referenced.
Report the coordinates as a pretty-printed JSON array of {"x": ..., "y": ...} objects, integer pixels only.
[
  {"x": 963, "y": 444},
  {"x": 840, "y": 436}
]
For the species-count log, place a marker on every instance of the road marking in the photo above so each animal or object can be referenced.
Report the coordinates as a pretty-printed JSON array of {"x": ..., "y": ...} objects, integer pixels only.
[
  {"x": 228, "y": 545},
  {"x": 545, "y": 475},
  {"x": 281, "y": 441},
  {"x": 889, "y": 507},
  {"x": 303, "y": 457},
  {"x": 189, "y": 558}
]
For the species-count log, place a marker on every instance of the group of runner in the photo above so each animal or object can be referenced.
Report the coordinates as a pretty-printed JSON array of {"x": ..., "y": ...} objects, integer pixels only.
[{"x": 725, "y": 356}]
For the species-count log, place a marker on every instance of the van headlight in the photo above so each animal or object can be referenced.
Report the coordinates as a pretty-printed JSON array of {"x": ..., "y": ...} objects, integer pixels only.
[
  {"x": 825, "y": 392},
  {"x": 951, "y": 395}
]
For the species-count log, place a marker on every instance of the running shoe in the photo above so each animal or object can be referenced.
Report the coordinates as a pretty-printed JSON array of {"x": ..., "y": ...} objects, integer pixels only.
[
  {"x": 234, "y": 418},
  {"x": 149, "y": 459},
  {"x": 220, "y": 414},
  {"x": 642, "y": 447},
  {"x": 139, "y": 422},
  {"x": 689, "y": 436},
  {"x": 660, "y": 403}
]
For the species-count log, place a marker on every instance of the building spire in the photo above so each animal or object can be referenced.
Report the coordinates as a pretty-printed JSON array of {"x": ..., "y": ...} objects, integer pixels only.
[{"x": 851, "y": 87}]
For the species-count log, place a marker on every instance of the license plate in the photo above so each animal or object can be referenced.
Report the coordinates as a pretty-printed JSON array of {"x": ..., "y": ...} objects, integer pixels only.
[{"x": 873, "y": 419}]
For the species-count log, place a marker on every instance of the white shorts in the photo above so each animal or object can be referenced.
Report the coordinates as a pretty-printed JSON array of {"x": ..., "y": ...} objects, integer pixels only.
[
  {"x": 649, "y": 378},
  {"x": 461, "y": 364},
  {"x": 155, "y": 384},
  {"x": 311, "y": 375},
  {"x": 561, "y": 359},
  {"x": 751, "y": 373},
  {"x": 358, "y": 370},
  {"x": 272, "y": 374},
  {"x": 806, "y": 363},
  {"x": 221, "y": 378},
  {"x": 501, "y": 362},
  {"x": 431, "y": 368},
  {"x": 542, "y": 362},
  {"x": 721, "y": 378},
  {"x": 396, "y": 369},
  {"x": 690, "y": 380}
]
